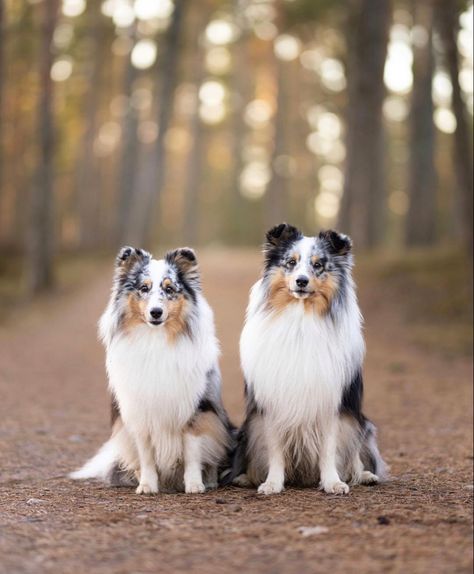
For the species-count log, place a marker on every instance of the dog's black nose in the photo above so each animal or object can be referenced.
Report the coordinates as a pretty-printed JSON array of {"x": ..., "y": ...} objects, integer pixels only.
[
  {"x": 302, "y": 281},
  {"x": 156, "y": 312}
]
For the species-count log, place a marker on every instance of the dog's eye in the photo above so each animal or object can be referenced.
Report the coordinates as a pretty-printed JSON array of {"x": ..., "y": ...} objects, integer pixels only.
[
  {"x": 169, "y": 290},
  {"x": 144, "y": 288},
  {"x": 291, "y": 263},
  {"x": 318, "y": 265}
]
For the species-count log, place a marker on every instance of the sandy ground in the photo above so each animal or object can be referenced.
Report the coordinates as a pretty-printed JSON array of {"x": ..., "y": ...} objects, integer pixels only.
[{"x": 54, "y": 414}]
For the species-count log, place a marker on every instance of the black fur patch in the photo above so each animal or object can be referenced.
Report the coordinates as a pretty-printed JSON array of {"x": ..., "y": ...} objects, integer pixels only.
[
  {"x": 337, "y": 243},
  {"x": 205, "y": 405},
  {"x": 279, "y": 239},
  {"x": 351, "y": 403}
]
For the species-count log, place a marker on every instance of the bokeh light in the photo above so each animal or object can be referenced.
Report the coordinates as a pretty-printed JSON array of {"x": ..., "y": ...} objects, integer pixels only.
[
  {"x": 144, "y": 54},
  {"x": 287, "y": 47},
  {"x": 61, "y": 69}
]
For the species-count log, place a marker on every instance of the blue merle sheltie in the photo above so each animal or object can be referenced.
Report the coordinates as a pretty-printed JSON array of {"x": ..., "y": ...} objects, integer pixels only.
[
  {"x": 169, "y": 428},
  {"x": 301, "y": 352}
]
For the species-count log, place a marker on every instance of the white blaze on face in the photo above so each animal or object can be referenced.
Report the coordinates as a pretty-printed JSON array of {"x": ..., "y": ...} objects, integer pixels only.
[
  {"x": 304, "y": 248},
  {"x": 156, "y": 298}
]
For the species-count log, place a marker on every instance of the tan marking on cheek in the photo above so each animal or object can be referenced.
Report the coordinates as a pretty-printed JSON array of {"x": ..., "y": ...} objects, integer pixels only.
[
  {"x": 135, "y": 312},
  {"x": 176, "y": 323},
  {"x": 279, "y": 292},
  {"x": 324, "y": 292},
  {"x": 208, "y": 424}
]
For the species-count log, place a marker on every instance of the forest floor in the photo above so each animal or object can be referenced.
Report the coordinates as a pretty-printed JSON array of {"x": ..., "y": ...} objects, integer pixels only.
[{"x": 54, "y": 413}]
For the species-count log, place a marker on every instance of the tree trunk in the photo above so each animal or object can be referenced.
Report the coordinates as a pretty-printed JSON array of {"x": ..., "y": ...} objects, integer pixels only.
[
  {"x": 237, "y": 232},
  {"x": 41, "y": 229},
  {"x": 2, "y": 84},
  {"x": 88, "y": 191},
  {"x": 195, "y": 159},
  {"x": 166, "y": 88},
  {"x": 276, "y": 197},
  {"x": 447, "y": 23},
  {"x": 421, "y": 217},
  {"x": 129, "y": 159},
  {"x": 363, "y": 202}
]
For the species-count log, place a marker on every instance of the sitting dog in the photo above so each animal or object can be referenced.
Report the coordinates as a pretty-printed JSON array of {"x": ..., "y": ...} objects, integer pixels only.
[
  {"x": 170, "y": 428},
  {"x": 302, "y": 351}
]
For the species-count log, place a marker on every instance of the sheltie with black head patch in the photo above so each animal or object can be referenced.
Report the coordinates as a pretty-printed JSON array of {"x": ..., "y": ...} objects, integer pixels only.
[
  {"x": 169, "y": 427},
  {"x": 302, "y": 351}
]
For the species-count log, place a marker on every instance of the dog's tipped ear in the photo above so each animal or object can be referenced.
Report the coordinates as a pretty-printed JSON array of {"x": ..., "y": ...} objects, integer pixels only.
[
  {"x": 337, "y": 243},
  {"x": 127, "y": 256},
  {"x": 185, "y": 261},
  {"x": 282, "y": 233}
]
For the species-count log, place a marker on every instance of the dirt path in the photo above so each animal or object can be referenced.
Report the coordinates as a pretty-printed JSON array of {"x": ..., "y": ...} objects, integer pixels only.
[{"x": 54, "y": 414}]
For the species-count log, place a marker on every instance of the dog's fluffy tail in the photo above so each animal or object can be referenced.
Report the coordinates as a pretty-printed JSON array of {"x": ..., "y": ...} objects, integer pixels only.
[
  {"x": 370, "y": 453},
  {"x": 111, "y": 454}
]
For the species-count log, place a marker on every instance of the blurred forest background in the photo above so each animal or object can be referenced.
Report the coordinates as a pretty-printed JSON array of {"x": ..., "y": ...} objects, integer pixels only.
[{"x": 163, "y": 122}]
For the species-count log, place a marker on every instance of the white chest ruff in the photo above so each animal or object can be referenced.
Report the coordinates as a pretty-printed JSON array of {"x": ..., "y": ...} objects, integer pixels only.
[
  {"x": 297, "y": 364},
  {"x": 158, "y": 385}
]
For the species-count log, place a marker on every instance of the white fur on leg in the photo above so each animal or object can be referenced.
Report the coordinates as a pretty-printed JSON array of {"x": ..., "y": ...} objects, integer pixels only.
[
  {"x": 148, "y": 476},
  {"x": 193, "y": 483},
  {"x": 275, "y": 481},
  {"x": 330, "y": 480}
]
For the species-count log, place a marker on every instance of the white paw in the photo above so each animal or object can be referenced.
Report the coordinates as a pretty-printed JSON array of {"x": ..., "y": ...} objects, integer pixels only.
[
  {"x": 337, "y": 487},
  {"x": 368, "y": 477},
  {"x": 144, "y": 488},
  {"x": 194, "y": 488},
  {"x": 270, "y": 487}
]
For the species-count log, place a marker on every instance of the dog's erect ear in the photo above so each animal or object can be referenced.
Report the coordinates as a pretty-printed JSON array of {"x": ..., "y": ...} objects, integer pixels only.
[
  {"x": 337, "y": 243},
  {"x": 283, "y": 233},
  {"x": 185, "y": 261},
  {"x": 128, "y": 256}
]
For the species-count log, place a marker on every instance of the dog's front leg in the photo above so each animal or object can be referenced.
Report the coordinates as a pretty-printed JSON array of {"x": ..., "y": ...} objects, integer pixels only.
[
  {"x": 330, "y": 480},
  {"x": 275, "y": 481},
  {"x": 193, "y": 464},
  {"x": 148, "y": 483}
]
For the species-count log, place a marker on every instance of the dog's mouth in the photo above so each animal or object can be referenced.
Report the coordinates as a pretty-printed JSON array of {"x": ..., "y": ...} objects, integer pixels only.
[
  {"x": 301, "y": 293},
  {"x": 155, "y": 322}
]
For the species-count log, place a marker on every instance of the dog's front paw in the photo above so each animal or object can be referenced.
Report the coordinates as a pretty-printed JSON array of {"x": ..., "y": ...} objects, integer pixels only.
[
  {"x": 194, "y": 488},
  {"x": 145, "y": 488},
  {"x": 270, "y": 487},
  {"x": 368, "y": 477},
  {"x": 337, "y": 487}
]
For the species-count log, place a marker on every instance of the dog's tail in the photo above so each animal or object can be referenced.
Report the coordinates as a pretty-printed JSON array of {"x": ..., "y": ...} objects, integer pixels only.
[
  {"x": 103, "y": 464},
  {"x": 370, "y": 454},
  {"x": 237, "y": 459}
]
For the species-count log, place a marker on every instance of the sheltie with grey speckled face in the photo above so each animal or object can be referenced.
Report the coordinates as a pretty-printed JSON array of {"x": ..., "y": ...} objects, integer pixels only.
[
  {"x": 170, "y": 430},
  {"x": 302, "y": 351}
]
